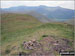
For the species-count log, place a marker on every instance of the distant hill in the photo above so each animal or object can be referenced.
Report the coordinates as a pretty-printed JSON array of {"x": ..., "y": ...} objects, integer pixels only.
[
  {"x": 49, "y": 13},
  {"x": 40, "y": 17}
]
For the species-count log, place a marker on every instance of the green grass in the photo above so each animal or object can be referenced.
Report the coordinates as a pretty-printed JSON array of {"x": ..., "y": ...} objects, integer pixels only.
[
  {"x": 17, "y": 25},
  {"x": 17, "y": 28}
]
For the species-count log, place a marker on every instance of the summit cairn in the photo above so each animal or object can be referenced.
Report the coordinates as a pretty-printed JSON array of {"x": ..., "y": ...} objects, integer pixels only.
[{"x": 31, "y": 45}]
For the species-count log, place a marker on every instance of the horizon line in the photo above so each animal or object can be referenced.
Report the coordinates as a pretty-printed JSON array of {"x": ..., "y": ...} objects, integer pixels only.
[{"x": 37, "y": 6}]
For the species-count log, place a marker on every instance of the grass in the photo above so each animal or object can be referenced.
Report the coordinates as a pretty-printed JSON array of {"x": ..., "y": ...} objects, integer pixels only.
[
  {"x": 16, "y": 25},
  {"x": 17, "y": 28}
]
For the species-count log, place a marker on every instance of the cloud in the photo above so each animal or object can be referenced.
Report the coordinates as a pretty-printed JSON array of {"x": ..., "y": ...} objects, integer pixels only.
[{"x": 64, "y": 4}]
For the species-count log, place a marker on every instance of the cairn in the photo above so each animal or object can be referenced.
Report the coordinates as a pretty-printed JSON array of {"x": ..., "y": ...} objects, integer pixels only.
[{"x": 30, "y": 45}]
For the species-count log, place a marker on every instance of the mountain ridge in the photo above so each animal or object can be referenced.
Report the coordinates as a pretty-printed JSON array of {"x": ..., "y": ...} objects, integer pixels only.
[{"x": 51, "y": 13}]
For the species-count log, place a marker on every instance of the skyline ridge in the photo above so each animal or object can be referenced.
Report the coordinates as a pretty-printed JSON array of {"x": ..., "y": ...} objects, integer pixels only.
[{"x": 38, "y": 6}]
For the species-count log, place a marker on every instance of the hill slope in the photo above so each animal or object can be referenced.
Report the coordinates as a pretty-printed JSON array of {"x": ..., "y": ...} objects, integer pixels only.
[
  {"x": 17, "y": 28},
  {"x": 16, "y": 24}
]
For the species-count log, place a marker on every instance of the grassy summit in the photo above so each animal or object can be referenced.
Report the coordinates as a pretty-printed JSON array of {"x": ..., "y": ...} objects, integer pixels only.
[{"x": 17, "y": 28}]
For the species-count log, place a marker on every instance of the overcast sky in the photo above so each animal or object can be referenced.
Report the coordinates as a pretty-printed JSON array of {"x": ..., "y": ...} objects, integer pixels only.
[{"x": 64, "y": 4}]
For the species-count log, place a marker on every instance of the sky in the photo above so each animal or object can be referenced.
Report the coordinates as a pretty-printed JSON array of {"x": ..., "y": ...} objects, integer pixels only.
[{"x": 64, "y": 4}]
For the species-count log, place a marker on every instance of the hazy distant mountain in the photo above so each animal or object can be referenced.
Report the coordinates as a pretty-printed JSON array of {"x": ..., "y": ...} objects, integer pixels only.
[
  {"x": 43, "y": 12},
  {"x": 56, "y": 13}
]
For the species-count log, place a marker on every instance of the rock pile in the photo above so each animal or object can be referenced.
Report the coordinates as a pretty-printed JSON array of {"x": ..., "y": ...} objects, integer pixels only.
[
  {"x": 46, "y": 47},
  {"x": 31, "y": 45}
]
